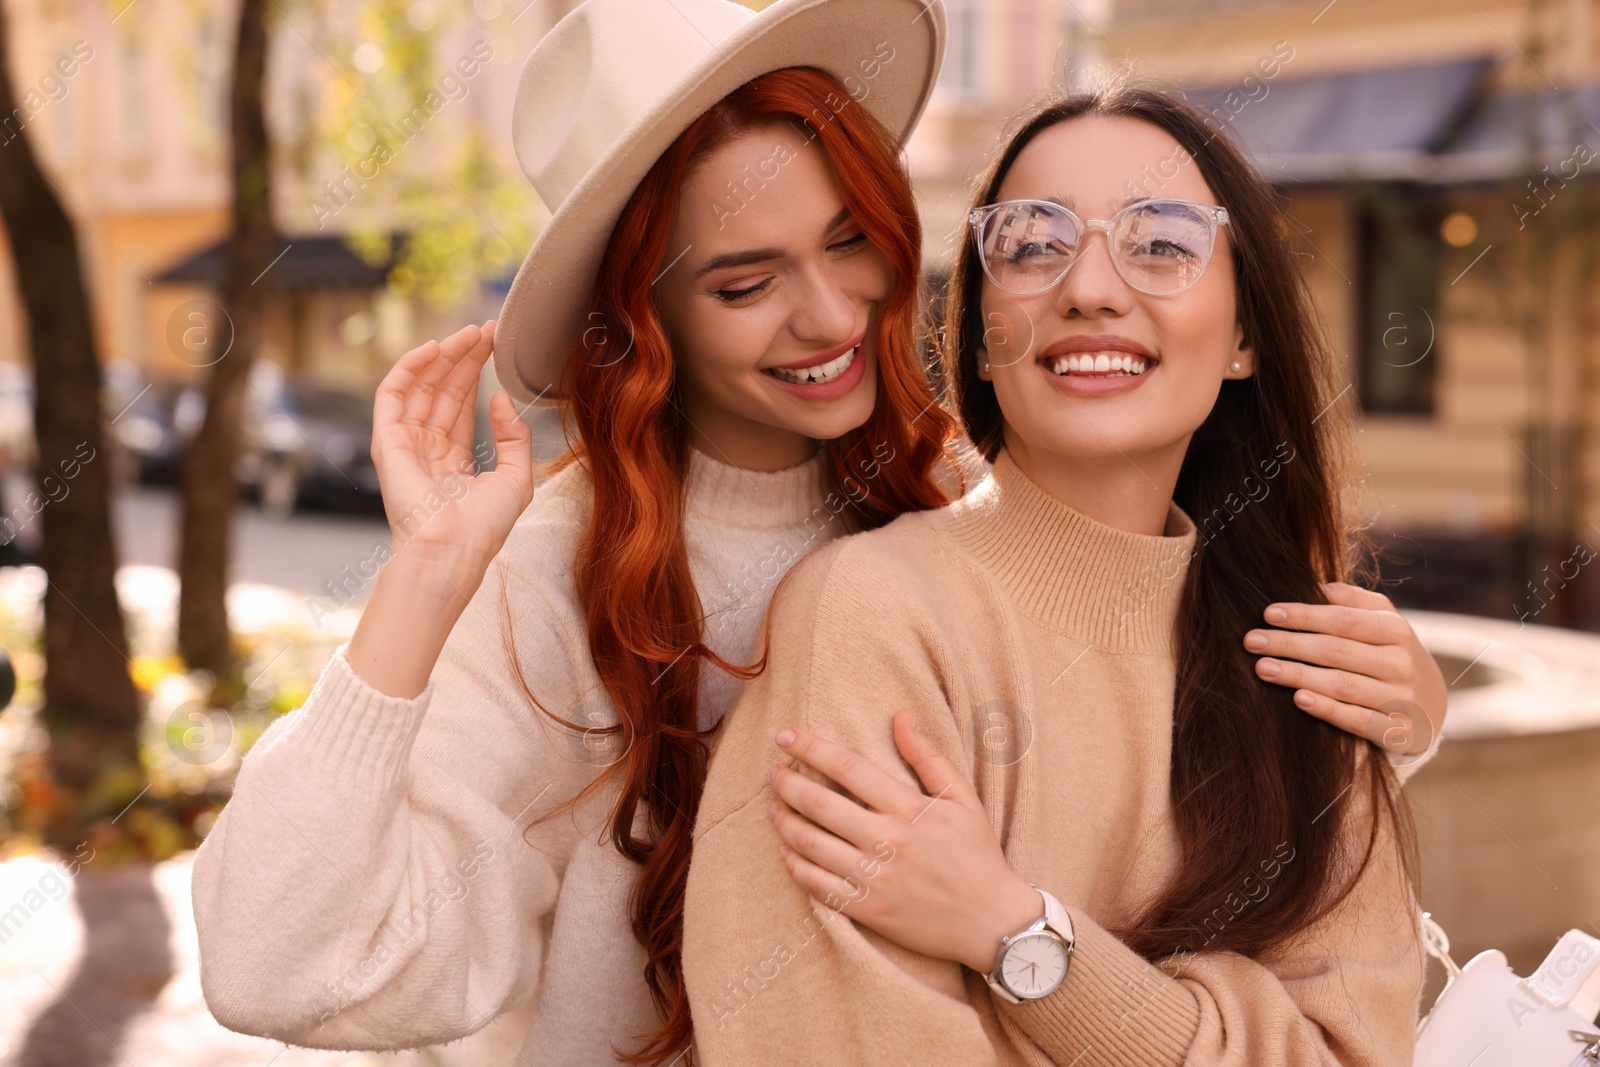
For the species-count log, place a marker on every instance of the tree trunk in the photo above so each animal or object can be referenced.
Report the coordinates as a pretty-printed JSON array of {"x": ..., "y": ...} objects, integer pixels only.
[
  {"x": 209, "y": 488},
  {"x": 90, "y": 707}
]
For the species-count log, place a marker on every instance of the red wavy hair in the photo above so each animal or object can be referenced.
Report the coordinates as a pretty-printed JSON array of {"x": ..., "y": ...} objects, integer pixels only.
[{"x": 644, "y": 615}]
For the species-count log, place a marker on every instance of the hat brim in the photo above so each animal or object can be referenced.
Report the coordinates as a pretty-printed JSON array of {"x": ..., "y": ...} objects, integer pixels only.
[{"x": 543, "y": 311}]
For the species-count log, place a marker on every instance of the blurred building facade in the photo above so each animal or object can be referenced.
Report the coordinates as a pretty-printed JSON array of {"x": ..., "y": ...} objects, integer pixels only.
[
  {"x": 126, "y": 107},
  {"x": 1437, "y": 158}
]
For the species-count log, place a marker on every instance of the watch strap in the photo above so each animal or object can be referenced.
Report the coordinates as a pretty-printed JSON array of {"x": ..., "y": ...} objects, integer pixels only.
[{"x": 1057, "y": 919}]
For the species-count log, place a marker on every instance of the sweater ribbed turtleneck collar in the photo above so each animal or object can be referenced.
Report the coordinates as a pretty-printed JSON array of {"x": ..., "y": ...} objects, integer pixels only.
[
  {"x": 734, "y": 496},
  {"x": 1116, "y": 590}
]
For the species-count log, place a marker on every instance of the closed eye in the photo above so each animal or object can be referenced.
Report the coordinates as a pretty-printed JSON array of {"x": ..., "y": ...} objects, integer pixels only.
[{"x": 734, "y": 296}]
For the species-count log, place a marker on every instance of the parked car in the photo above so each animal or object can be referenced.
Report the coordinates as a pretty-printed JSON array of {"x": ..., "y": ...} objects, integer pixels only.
[
  {"x": 306, "y": 441},
  {"x": 146, "y": 434}
]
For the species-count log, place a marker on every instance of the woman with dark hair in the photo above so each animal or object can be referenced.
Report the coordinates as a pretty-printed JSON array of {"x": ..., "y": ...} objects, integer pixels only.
[{"x": 1132, "y": 849}]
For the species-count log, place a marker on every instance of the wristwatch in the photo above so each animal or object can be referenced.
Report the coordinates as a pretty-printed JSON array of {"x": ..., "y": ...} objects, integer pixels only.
[{"x": 1033, "y": 963}]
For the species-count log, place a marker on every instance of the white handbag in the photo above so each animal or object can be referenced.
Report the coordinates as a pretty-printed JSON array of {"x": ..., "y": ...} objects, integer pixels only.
[{"x": 1486, "y": 1016}]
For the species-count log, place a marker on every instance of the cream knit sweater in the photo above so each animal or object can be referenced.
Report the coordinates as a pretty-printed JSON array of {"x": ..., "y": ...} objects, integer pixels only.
[
  {"x": 369, "y": 885},
  {"x": 1035, "y": 645}
]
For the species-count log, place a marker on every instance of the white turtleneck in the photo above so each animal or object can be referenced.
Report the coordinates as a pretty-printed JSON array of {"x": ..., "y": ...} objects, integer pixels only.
[{"x": 369, "y": 885}]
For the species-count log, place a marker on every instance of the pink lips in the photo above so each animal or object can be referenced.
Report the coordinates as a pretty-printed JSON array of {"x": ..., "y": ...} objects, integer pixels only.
[{"x": 840, "y": 386}]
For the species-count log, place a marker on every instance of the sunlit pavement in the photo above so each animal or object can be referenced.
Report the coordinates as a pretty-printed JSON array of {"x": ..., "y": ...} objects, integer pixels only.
[
  {"x": 102, "y": 968},
  {"x": 299, "y": 553}
]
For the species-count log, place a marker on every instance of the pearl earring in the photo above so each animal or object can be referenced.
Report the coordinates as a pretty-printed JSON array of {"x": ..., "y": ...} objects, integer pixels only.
[
  {"x": 1236, "y": 366},
  {"x": 986, "y": 366}
]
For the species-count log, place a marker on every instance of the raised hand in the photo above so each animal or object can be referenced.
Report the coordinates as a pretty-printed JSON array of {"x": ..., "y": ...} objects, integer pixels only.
[
  {"x": 422, "y": 447},
  {"x": 447, "y": 522},
  {"x": 1356, "y": 663}
]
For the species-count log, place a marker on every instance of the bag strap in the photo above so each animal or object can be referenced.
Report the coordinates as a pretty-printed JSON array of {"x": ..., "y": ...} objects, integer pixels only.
[{"x": 1437, "y": 942}]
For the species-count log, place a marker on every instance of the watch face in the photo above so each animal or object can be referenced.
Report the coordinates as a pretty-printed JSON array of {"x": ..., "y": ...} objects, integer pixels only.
[{"x": 1034, "y": 965}]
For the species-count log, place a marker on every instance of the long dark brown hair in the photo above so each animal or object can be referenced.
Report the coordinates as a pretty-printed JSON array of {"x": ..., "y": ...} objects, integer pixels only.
[
  {"x": 1252, "y": 774},
  {"x": 644, "y": 617}
]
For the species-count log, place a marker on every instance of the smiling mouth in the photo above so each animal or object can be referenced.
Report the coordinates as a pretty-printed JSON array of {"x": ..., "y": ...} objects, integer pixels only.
[
  {"x": 821, "y": 374},
  {"x": 1108, "y": 364}
]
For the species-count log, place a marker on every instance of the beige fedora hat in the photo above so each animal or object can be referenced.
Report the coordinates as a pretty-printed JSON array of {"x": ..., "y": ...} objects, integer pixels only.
[{"x": 613, "y": 84}]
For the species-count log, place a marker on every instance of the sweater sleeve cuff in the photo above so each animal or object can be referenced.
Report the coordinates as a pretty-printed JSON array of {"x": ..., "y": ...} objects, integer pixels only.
[
  {"x": 1406, "y": 764},
  {"x": 1112, "y": 1008},
  {"x": 347, "y": 726}
]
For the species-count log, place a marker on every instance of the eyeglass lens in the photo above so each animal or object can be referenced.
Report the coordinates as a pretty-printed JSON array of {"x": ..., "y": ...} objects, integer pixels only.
[{"x": 1158, "y": 246}]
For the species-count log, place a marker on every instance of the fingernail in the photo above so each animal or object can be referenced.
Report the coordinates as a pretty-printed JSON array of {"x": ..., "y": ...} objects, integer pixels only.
[
  {"x": 783, "y": 850},
  {"x": 772, "y": 773},
  {"x": 1268, "y": 668},
  {"x": 1305, "y": 699},
  {"x": 1277, "y": 614},
  {"x": 785, "y": 738},
  {"x": 1255, "y": 641},
  {"x": 772, "y": 810}
]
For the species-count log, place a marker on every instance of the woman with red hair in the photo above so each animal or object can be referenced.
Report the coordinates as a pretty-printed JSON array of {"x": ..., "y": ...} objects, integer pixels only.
[{"x": 725, "y": 300}]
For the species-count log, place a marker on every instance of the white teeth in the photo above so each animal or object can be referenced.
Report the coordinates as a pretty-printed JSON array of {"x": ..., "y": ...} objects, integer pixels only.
[
  {"x": 1099, "y": 363},
  {"x": 820, "y": 374}
]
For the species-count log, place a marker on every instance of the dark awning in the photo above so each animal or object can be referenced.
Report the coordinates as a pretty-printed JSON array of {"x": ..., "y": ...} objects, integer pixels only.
[
  {"x": 1517, "y": 133},
  {"x": 1388, "y": 124},
  {"x": 308, "y": 264}
]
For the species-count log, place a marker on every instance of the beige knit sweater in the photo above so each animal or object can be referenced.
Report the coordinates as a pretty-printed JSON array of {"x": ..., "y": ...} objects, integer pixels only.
[
  {"x": 1035, "y": 646},
  {"x": 369, "y": 885}
]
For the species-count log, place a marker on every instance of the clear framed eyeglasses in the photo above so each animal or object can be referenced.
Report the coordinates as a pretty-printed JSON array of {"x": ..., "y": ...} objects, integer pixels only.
[{"x": 1158, "y": 246}]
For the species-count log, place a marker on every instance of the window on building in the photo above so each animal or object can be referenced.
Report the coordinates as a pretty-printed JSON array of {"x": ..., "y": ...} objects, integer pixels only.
[
  {"x": 214, "y": 78},
  {"x": 62, "y": 114},
  {"x": 1398, "y": 299},
  {"x": 135, "y": 100},
  {"x": 961, "y": 77}
]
